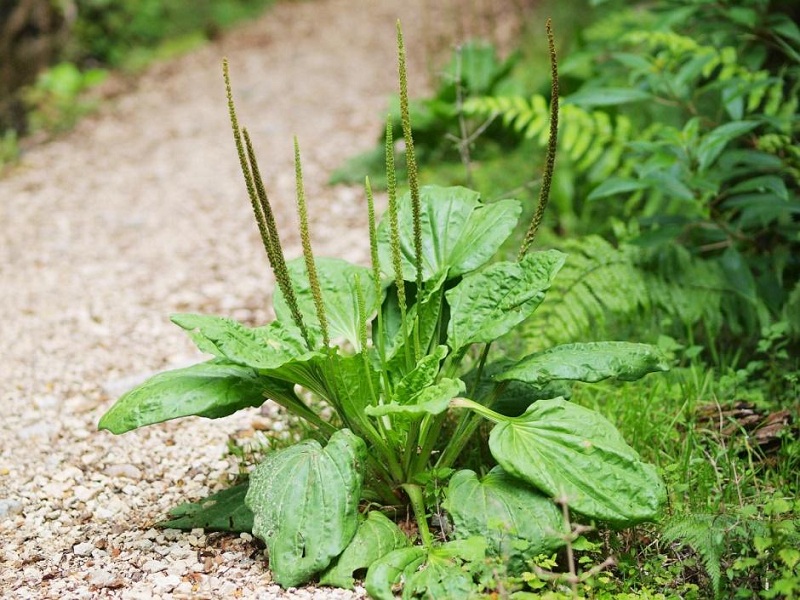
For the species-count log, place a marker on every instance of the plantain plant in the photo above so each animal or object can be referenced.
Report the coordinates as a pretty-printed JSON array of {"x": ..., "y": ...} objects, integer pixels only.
[{"x": 400, "y": 354}]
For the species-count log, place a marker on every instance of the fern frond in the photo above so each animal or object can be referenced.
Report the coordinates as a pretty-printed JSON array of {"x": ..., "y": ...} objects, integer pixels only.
[
  {"x": 590, "y": 139},
  {"x": 600, "y": 280},
  {"x": 706, "y": 535},
  {"x": 597, "y": 279}
]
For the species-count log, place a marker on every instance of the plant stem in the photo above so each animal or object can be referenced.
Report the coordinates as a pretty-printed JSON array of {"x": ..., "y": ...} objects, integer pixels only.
[
  {"x": 429, "y": 436},
  {"x": 483, "y": 411},
  {"x": 414, "y": 493},
  {"x": 467, "y": 424},
  {"x": 410, "y": 453}
]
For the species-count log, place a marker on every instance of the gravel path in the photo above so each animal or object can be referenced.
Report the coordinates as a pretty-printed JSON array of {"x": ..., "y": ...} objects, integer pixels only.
[{"x": 139, "y": 213}]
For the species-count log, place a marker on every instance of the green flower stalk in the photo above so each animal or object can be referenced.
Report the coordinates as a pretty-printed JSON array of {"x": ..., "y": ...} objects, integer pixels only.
[
  {"x": 394, "y": 236},
  {"x": 273, "y": 244},
  {"x": 550, "y": 160},
  {"x": 411, "y": 159},
  {"x": 262, "y": 209},
  {"x": 308, "y": 254}
]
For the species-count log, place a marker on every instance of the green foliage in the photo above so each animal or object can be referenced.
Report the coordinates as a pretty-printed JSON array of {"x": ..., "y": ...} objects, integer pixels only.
[
  {"x": 223, "y": 511},
  {"x": 733, "y": 548},
  {"x": 517, "y": 521},
  {"x": 117, "y": 33},
  {"x": 305, "y": 504},
  {"x": 389, "y": 350},
  {"x": 705, "y": 534},
  {"x": 56, "y": 101},
  {"x": 9, "y": 148},
  {"x": 473, "y": 71},
  {"x": 685, "y": 125}
]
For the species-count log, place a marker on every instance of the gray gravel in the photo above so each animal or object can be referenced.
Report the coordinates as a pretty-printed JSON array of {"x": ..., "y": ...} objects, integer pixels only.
[{"x": 139, "y": 213}]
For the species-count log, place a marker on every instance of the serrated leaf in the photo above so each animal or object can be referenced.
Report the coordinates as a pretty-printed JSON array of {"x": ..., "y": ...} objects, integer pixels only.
[
  {"x": 376, "y": 536},
  {"x": 432, "y": 400},
  {"x": 305, "y": 504},
  {"x": 608, "y": 96},
  {"x": 337, "y": 279},
  {"x": 211, "y": 389},
  {"x": 392, "y": 569},
  {"x": 490, "y": 303},
  {"x": 263, "y": 348},
  {"x": 616, "y": 185},
  {"x": 589, "y": 362},
  {"x": 517, "y": 520},
  {"x": 713, "y": 143},
  {"x": 222, "y": 511},
  {"x": 459, "y": 233},
  {"x": 570, "y": 452}
]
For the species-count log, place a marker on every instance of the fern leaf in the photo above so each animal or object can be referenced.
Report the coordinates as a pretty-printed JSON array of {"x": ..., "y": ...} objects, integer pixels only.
[
  {"x": 596, "y": 279},
  {"x": 705, "y": 535}
]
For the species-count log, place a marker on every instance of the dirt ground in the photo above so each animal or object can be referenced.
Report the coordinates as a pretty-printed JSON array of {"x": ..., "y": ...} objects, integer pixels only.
[{"x": 141, "y": 212}]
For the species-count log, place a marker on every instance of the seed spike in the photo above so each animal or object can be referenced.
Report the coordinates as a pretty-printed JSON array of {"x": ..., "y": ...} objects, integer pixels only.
[
  {"x": 373, "y": 238},
  {"x": 274, "y": 248},
  {"x": 550, "y": 161},
  {"x": 411, "y": 159},
  {"x": 243, "y": 162},
  {"x": 308, "y": 254},
  {"x": 394, "y": 235}
]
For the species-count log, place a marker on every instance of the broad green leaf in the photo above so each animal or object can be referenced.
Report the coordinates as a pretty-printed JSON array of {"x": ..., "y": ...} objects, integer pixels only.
[
  {"x": 606, "y": 96},
  {"x": 350, "y": 385},
  {"x": 517, "y": 520},
  {"x": 511, "y": 398},
  {"x": 439, "y": 577},
  {"x": 262, "y": 348},
  {"x": 223, "y": 511},
  {"x": 459, "y": 233},
  {"x": 468, "y": 549},
  {"x": 305, "y": 504},
  {"x": 433, "y": 400},
  {"x": 376, "y": 536},
  {"x": 390, "y": 569},
  {"x": 738, "y": 273},
  {"x": 425, "y": 311},
  {"x": 590, "y": 362},
  {"x": 570, "y": 452},
  {"x": 211, "y": 389},
  {"x": 490, "y": 303},
  {"x": 337, "y": 279},
  {"x": 712, "y": 145},
  {"x": 422, "y": 376}
]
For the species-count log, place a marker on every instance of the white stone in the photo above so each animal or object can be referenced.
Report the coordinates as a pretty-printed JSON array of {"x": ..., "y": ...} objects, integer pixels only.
[
  {"x": 100, "y": 578},
  {"x": 166, "y": 583},
  {"x": 10, "y": 508},
  {"x": 83, "y": 549},
  {"x": 154, "y": 566},
  {"x": 123, "y": 470},
  {"x": 83, "y": 493}
]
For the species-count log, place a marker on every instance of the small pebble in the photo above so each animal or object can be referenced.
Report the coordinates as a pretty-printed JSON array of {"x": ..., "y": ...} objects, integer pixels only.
[
  {"x": 124, "y": 470},
  {"x": 167, "y": 583},
  {"x": 83, "y": 549},
  {"x": 10, "y": 508},
  {"x": 154, "y": 566}
]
